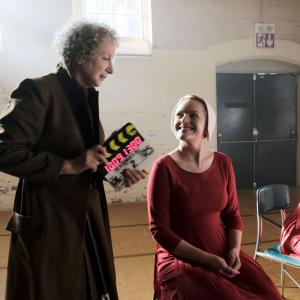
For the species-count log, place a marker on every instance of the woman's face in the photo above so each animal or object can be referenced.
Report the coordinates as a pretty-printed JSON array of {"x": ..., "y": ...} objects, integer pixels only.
[
  {"x": 190, "y": 121},
  {"x": 92, "y": 70}
]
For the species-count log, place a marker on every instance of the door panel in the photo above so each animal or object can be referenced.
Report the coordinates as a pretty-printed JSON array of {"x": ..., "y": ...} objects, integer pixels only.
[
  {"x": 235, "y": 122},
  {"x": 275, "y": 106},
  {"x": 275, "y": 111},
  {"x": 235, "y": 106},
  {"x": 275, "y": 162},
  {"x": 242, "y": 158}
]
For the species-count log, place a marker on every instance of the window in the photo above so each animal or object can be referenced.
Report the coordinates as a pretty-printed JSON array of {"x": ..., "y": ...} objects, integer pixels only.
[{"x": 130, "y": 18}]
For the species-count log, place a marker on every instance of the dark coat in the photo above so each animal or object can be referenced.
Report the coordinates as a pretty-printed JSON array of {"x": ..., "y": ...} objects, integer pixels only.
[{"x": 52, "y": 119}]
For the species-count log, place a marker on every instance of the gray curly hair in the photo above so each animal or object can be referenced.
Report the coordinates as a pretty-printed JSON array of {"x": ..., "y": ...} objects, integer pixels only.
[{"x": 81, "y": 38}]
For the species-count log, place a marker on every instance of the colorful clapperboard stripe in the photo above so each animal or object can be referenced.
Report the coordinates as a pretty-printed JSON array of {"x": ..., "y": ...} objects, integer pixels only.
[{"x": 126, "y": 149}]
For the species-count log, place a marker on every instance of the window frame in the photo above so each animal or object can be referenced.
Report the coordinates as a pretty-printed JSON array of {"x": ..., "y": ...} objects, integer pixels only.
[{"x": 129, "y": 46}]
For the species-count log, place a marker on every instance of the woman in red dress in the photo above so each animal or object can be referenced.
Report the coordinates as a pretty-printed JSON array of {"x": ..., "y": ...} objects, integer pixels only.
[{"x": 195, "y": 220}]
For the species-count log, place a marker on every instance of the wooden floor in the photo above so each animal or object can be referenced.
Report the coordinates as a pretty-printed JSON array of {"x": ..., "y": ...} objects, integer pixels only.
[{"x": 133, "y": 246}]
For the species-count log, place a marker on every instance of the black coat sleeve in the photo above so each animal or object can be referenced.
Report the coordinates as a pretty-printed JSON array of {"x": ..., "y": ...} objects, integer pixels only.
[{"x": 21, "y": 127}]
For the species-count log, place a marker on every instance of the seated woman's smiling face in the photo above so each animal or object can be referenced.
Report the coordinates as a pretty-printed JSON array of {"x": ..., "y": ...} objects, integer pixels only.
[{"x": 190, "y": 120}]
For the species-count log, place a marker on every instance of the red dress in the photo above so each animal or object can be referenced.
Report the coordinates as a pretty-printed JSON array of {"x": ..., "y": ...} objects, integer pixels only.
[{"x": 199, "y": 208}]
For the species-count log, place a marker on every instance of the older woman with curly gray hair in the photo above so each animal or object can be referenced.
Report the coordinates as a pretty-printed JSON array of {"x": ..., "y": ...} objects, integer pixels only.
[
  {"x": 81, "y": 40},
  {"x": 60, "y": 239}
]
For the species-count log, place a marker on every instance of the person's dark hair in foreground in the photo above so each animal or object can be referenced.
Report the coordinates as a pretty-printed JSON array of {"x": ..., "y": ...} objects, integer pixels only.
[
  {"x": 51, "y": 139},
  {"x": 195, "y": 220}
]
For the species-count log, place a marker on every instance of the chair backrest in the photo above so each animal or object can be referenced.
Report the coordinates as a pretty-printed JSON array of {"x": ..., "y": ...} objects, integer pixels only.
[{"x": 272, "y": 197}]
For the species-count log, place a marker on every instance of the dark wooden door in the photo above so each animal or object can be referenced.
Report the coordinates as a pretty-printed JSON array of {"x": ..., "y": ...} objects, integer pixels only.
[
  {"x": 256, "y": 123},
  {"x": 235, "y": 117},
  {"x": 275, "y": 120}
]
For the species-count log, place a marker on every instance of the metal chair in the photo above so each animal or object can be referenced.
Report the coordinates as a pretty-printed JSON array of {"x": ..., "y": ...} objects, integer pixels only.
[{"x": 274, "y": 198}]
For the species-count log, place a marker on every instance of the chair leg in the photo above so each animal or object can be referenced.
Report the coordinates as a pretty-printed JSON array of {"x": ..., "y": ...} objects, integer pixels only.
[{"x": 282, "y": 279}]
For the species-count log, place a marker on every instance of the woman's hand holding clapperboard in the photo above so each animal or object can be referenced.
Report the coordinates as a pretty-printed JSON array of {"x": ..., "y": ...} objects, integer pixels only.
[{"x": 126, "y": 152}]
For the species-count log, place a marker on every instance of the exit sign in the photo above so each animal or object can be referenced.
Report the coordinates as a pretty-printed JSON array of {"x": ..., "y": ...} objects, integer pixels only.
[{"x": 265, "y": 35}]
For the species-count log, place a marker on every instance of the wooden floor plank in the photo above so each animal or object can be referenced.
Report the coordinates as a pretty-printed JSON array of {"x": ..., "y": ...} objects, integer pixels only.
[{"x": 2, "y": 282}]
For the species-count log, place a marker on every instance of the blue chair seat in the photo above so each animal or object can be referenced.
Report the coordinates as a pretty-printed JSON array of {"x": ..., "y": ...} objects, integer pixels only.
[{"x": 275, "y": 253}]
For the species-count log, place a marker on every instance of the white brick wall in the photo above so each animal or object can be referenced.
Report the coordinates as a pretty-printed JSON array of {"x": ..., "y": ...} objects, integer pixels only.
[
  {"x": 194, "y": 24},
  {"x": 4, "y": 97}
]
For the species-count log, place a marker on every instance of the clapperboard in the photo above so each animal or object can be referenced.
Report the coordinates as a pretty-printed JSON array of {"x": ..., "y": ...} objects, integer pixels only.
[{"x": 126, "y": 149}]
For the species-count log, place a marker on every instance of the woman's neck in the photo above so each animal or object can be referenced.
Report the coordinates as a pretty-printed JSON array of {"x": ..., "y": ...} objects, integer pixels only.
[
  {"x": 193, "y": 160},
  {"x": 191, "y": 153}
]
